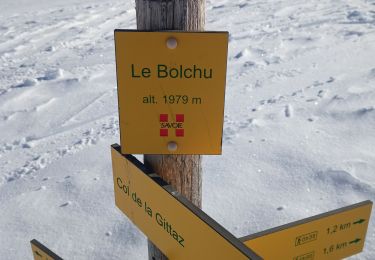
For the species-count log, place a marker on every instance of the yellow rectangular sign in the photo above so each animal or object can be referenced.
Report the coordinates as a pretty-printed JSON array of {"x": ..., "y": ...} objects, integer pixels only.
[
  {"x": 178, "y": 228},
  {"x": 171, "y": 88},
  {"x": 40, "y": 252},
  {"x": 333, "y": 235}
]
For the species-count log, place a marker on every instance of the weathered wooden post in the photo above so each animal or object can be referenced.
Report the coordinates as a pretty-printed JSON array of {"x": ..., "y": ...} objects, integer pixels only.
[{"x": 183, "y": 172}]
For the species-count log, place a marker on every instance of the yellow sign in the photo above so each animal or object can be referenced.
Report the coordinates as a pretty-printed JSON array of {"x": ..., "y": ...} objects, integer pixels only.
[
  {"x": 178, "y": 228},
  {"x": 171, "y": 88},
  {"x": 41, "y": 252},
  {"x": 333, "y": 235}
]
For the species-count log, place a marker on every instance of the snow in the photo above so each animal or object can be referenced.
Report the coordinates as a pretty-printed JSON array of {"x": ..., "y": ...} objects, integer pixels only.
[{"x": 298, "y": 134}]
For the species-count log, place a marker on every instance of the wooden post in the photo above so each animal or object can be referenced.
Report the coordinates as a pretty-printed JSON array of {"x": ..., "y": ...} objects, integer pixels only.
[{"x": 183, "y": 172}]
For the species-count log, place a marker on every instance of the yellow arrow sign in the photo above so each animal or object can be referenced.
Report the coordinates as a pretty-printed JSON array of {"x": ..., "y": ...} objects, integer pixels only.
[
  {"x": 333, "y": 235},
  {"x": 171, "y": 88},
  {"x": 41, "y": 252},
  {"x": 178, "y": 228}
]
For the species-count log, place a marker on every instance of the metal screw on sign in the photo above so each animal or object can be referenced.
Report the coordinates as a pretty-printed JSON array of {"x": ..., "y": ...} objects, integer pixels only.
[
  {"x": 172, "y": 146},
  {"x": 172, "y": 43}
]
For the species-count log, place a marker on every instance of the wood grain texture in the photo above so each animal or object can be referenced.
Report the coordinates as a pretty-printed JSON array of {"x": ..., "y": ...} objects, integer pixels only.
[
  {"x": 185, "y": 15},
  {"x": 183, "y": 172}
]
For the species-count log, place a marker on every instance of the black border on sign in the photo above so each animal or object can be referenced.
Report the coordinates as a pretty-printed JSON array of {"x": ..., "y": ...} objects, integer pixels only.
[
  {"x": 190, "y": 206},
  {"x": 45, "y": 249},
  {"x": 306, "y": 220},
  {"x": 171, "y": 31}
]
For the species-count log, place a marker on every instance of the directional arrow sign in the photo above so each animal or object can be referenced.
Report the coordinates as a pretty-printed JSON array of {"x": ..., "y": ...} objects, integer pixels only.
[
  {"x": 178, "y": 228},
  {"x": 171, "y": 88},
  {"x": 41, "y": 252},
  {"x": 333, "y": 235},
  {"x": 355, "y": 241},
  {"x": 360, "y": 221}
]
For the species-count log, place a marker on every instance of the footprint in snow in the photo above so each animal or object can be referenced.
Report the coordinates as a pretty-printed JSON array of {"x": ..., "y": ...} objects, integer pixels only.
[
  {"x": 30, "y": 22},
  {"x": 288, "y": 111},
  {"x": 41, "y": 188},
  {"x": 357, "y": 17},
  {"x": 342, "y": 180},
  {"x": 50, "y": 49},
  {"x": 52, "y": 74},
  {"x": 249, "y": 64},
  {"x": 49, "y": 75},
  {"x": 295, "y": 93},
  {"x": 330, "y": 80},
  {"x": 243, "y": 53},
  {"x": 26, "y": 83},
  {"x": 371, "y": 74},
  {"x": 65, "y": 204},
  {"x": 242, "y": 5},
  {"x": 321, "y": 93},
  {"x": 350, "y": 34},
  {"x": 317, "y": 83},
  {"x": 245, "y": 124},
  {"x": 218, "y": 7}
]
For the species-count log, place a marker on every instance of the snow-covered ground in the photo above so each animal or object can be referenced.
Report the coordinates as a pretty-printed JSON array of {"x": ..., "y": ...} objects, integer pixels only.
[{"x": 299, "y": 132}]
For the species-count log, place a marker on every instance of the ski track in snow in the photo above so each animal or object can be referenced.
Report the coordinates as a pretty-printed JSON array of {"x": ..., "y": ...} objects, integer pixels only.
[
  {"x": 40, "y": 55},
  {"x": 298, "y": 125},
  {"x": 41, "y": 155}
]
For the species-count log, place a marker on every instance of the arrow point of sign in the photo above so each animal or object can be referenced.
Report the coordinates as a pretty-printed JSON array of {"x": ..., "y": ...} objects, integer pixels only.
[
  {"x": 355, "y": 241},
  {"x": 360, "y": 221}
]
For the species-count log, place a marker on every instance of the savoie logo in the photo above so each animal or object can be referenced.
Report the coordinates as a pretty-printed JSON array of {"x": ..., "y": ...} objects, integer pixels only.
[{"x": 177, "y": 125}]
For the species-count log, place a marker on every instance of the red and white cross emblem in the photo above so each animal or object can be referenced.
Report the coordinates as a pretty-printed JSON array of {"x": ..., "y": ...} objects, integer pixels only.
[{"x": 164, "y": 131}]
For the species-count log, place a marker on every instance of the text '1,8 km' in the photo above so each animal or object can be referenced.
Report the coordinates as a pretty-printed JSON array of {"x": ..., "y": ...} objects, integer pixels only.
[{"x": 153, "y": 79}]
